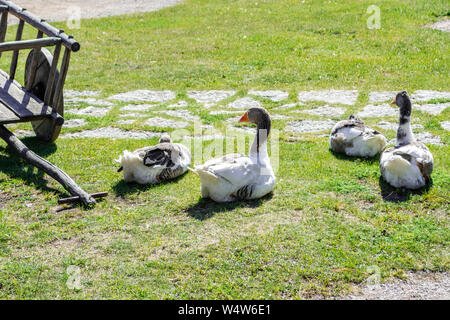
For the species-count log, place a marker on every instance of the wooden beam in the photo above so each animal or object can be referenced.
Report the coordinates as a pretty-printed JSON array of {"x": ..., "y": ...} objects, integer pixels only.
[
  {"x": 29, "y": 44},
  {"x": 42, "y": 25}
]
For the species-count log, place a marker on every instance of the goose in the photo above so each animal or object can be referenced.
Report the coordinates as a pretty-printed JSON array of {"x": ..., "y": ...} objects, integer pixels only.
[
  {"x": 162, "y": 162},
  {"x": 236, "y": 176},
  {"x": 353, "y": 138},
  {"x": 409, "y": 163}
]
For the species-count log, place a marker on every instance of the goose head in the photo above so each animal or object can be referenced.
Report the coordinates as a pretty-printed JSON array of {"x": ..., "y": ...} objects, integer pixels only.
[
  {"x": 354, "y": 117},
  {"x": 402, "y": 101},
  {"x": 165, "y": 138},
  {"x": 258, "y": 116},
  {"x": 404, "y": 132}
]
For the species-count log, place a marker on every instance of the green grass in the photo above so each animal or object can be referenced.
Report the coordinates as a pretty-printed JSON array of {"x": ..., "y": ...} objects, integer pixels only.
[{"x": 329, "y": 219}]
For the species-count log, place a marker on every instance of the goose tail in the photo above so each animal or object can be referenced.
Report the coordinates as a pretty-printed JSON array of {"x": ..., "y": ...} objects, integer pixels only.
[
  {"x": 206, "y": 176},
  {"x": 397, "y": 166},
  {"x": 127, "y": 158}
]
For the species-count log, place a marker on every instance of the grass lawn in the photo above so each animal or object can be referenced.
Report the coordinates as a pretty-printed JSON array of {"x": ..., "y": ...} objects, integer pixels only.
[{"x": 329, "y": 220}]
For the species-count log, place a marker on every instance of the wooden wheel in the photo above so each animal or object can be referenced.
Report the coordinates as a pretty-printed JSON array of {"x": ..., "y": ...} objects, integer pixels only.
[{"x": 46, "y": 129}]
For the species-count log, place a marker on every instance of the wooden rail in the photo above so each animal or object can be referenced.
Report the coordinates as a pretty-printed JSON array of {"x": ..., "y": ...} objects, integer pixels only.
[
  {"x": 29, "y": 44},
  {"x": 40, "y": 24}
]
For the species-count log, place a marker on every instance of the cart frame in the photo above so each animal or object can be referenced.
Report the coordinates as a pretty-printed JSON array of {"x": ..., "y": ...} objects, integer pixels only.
[{"x": 22, "y": 103}]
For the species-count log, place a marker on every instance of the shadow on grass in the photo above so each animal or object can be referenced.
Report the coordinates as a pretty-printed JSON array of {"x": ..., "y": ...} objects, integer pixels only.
[
  {"x": 392, "y": 194},
  {"x": 122, "y": 188},
  {"x": 207, "y": 208},
  {"x": 342, "y": 156},
  {"x": 14, "y": 166}
]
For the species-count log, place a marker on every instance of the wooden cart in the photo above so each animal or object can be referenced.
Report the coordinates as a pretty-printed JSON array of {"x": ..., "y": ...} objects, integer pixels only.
[{"x": 40, "y": 101}]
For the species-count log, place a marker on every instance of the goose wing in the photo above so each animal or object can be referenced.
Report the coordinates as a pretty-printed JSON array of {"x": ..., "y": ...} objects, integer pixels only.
[
  {"x": 164, "y": 155},
  {"x": 415, "y": 153},
  {"x": 350, "y": 128},
  {"x": 237, "y": 169}
]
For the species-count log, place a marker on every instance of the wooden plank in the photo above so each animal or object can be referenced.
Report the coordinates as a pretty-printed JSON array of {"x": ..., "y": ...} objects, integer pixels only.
[
  {"x": 7, "y": 116},
  {"x": 29, "y": 44},
  {"x": 23, "y": 104}
]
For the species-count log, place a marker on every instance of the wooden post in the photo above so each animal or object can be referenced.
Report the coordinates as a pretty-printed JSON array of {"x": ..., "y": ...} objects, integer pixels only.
[
  {"x": 49, "y": 168},
  {"x": 33, "y": 66},
  {"x": 51, "y": 77},
  {"x": 15, "y": 57},
  {"x": 3, "y": 27},
  {"x": 62, "y": 78}
]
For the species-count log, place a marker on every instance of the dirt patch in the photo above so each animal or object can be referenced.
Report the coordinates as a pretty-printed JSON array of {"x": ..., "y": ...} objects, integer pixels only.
[
  {"x": 75, "y": 93},
  {"x": 424, "y": 137},
  {"x": 381, "y": 96},
  {"x": 227, "y": 112},
  {"x": 60, "y": 10},
  {"x": 113, "y": 133},
  {"x": 129, "y": 121},
  {"x": 443, "y": 25},
  {"x": 383, "y": 110},
  {"x": 130, "y": 115},
  {"x": 310, "y": 126},
  {"x": 93, "y": 101},
  {"x": 274, "y": 95},
  {"x": 326, "y": 111},
  {"x": 181, "y": 113},
  {"x": 386, "y": 125},
  {"x": 73, "y": 123},
  {"x": 244, "y": 103},
  {"x": 210, "y": 96},
  {"x": 417, "y": 286},
  {"x": 445, "y": 125},
  {"x": 179, "y": 104},
  {"x": 279, "y": 117},
  {"x": 288, "y": 106},
  {"x": 347, "y": 97},
  {"x": 165, "y": 123},
  {"x": 427, "y": 95},
  {"x": 4, "y": 198},
  {"x": 145, "y": 96},
  {"x": 90, "y": 111},
  {"x": 138, "y": 107},
  {"x": 434, "y": 109},
  {"x": 428, "y": 138}
]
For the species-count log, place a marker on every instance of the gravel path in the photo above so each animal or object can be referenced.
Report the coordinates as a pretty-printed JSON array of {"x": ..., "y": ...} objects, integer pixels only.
[
  {"x": 417, "y": 286},
  {"x": 57, "y": 10}
]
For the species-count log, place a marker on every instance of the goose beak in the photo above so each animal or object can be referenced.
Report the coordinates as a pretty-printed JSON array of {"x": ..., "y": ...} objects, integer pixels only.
[
  {"x": 244, "y": 118},
  {"x": 393, "y": 101}
]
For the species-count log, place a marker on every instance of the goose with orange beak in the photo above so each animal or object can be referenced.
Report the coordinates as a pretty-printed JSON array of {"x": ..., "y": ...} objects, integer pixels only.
[
  {"x": 239, "y": 177},
  {"x": 409, "y": 163}
]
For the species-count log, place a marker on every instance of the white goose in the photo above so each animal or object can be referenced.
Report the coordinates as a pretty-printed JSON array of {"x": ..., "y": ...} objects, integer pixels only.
[
  {"x": 353, "y": 138},
  {"x": 239, "y": 177},
  {"x": 409, "y": 164},
  {"x": 154, "y": 164}
]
